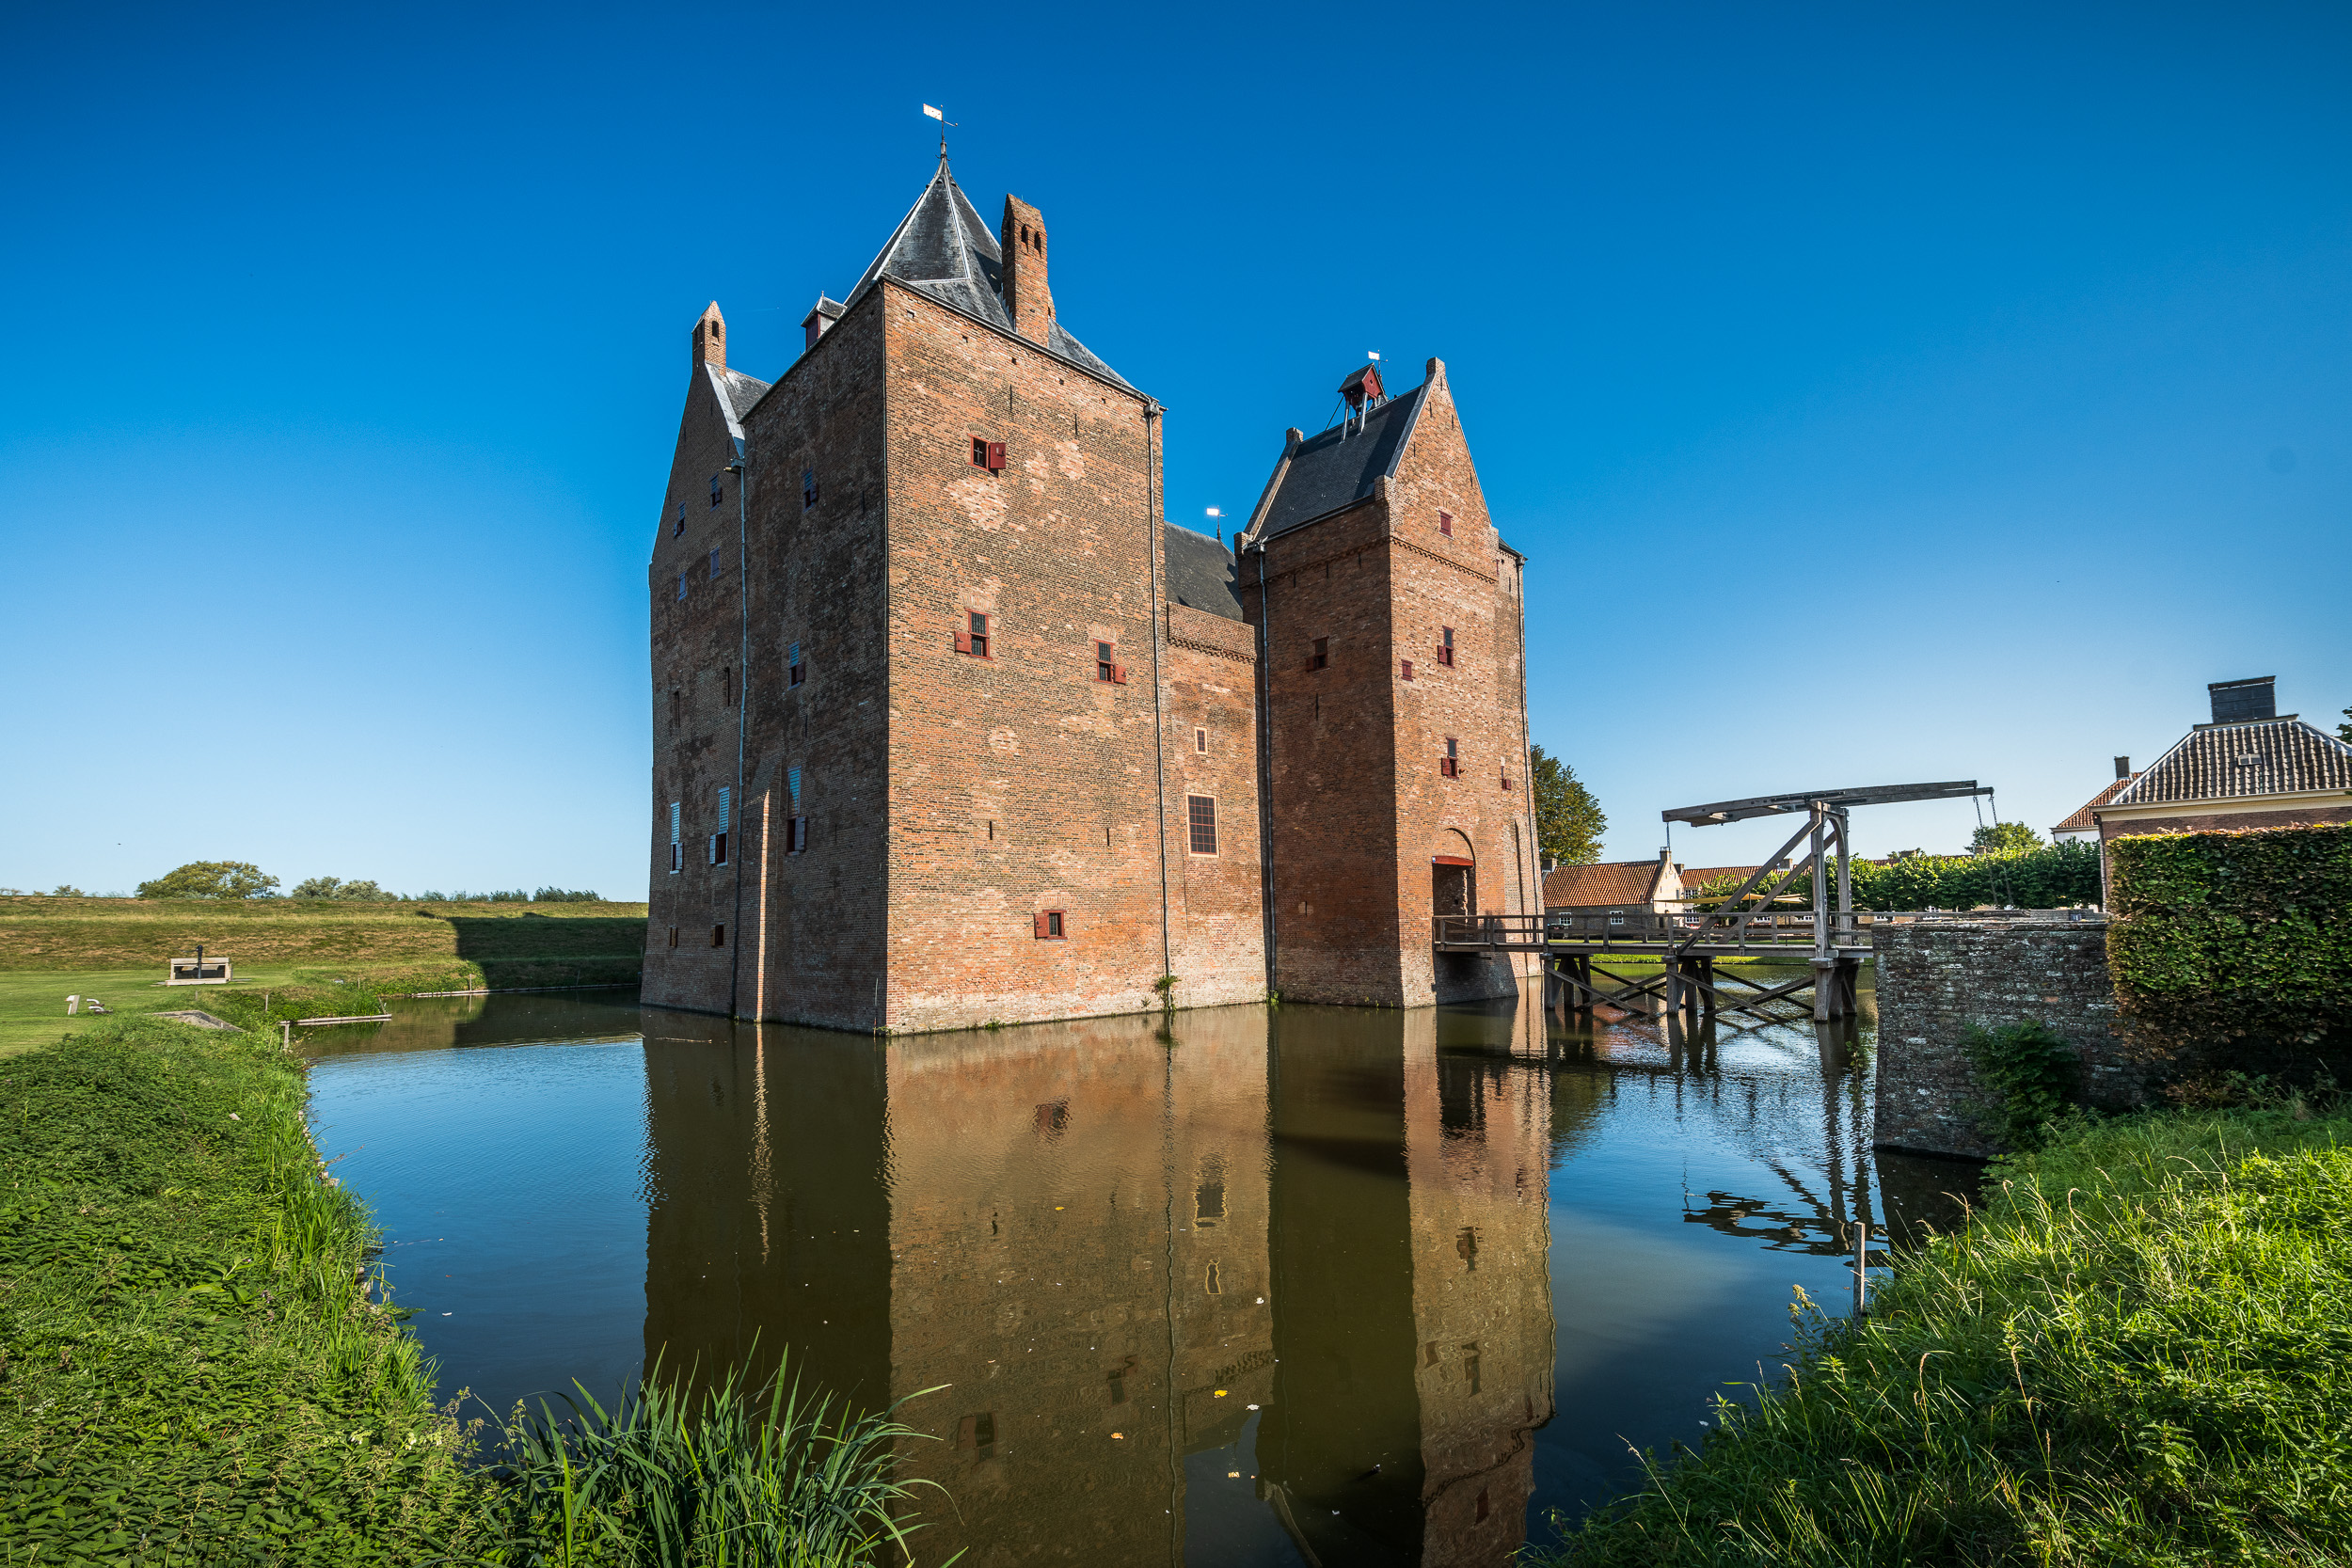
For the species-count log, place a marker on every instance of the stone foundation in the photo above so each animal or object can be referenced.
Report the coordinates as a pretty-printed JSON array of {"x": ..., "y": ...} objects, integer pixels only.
[{"x": 1938, "y": 978}]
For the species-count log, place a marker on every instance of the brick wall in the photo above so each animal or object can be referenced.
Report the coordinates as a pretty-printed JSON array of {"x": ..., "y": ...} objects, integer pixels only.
[
  {"x": 1019, "y": 783},
  {"x": 1359, "y": 805},
  {"x": 1217, "y": 906},
  {"x": 1936, "y": 979}
]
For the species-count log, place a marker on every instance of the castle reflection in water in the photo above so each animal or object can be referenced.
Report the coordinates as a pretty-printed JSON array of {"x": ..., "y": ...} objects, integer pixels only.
[
  {"x": 1229, "y": 1286},
  {"x": 1117, "y": 1242}
]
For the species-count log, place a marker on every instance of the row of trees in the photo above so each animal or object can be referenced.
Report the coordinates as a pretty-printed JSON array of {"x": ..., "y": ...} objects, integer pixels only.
[{"x": 244, "y": 879}]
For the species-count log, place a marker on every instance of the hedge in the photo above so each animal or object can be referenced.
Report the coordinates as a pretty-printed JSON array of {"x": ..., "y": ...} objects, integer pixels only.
[
  {"x": 2223, "y": 938},
  {"x": 2050, "y": 878}
]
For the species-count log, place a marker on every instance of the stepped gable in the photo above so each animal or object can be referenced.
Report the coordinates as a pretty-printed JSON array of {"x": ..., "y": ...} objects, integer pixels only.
[
  {"x": 2225, "y": 762},
  {"x": 1200, "y": 573},
  {"x": 942, "y": 248},
  {"x": 1322, "y": 474}
]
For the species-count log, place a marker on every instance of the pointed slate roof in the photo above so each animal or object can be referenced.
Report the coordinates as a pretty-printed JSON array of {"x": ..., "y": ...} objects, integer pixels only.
[
  {"x": 2235, "y": 762},
  {"x": 943, "y": 249},
  {"x": 1337, "y": 468}
]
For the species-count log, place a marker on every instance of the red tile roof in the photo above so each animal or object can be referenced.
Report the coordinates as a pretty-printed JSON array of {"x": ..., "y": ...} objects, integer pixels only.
[
  {"x": 2082, "y": 822},
  {"x": 1611, "y": 882}
]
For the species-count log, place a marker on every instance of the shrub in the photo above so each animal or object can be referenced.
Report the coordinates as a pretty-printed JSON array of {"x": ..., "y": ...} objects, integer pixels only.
[
  {"x": 2029, "y": 1072},
  {"x": 2229, "y": 943},
  {"x": 565, "y": 895}
]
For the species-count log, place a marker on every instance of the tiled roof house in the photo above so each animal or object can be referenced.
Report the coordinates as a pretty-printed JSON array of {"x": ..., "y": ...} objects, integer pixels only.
[
  {"x": 1613, "y": 887},
  {"x": 2083, "y": 827},
  {"x": 2250, "y": 768}
]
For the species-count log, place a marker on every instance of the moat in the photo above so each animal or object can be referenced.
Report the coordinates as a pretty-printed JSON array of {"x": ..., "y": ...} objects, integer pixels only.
[{"x": 1239, "y": 1286}]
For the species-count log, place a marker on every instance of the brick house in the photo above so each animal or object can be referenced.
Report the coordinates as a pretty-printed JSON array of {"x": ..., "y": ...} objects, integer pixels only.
[
  {"x": 2252, "y": 767},
  {"x": 951, "y": 726}
]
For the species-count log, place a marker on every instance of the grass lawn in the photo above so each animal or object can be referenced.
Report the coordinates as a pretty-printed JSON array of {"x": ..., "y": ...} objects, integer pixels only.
[
  {"x": 116, "y": 949},
  {"x": 2137, "y": 1353}
]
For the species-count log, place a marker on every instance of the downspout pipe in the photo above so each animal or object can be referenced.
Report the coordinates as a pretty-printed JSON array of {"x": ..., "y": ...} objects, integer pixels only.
[{"x": 741, "y": 469}]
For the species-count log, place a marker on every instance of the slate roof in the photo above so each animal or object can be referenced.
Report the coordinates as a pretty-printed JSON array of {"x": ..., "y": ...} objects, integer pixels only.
[
  {"x": 741, "y": 391},
  {"x": 1612, "y": 882},
  {"x": 2082, "y": 822},
  {"x": 1201, "y": 572},
  {"x": 943, "y": 249},
  {"x": 1325, "y": 472},
  {"x": 2236, "y": 762}
]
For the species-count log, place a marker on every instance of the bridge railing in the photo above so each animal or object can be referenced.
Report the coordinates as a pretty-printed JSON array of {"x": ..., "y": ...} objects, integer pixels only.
[{"x": 1784, "y": 930}]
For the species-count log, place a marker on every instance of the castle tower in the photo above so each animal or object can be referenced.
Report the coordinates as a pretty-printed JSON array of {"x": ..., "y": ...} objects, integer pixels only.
[
  {"x": 934, "y": 742},
  {"x": 1394, "y": 711}
]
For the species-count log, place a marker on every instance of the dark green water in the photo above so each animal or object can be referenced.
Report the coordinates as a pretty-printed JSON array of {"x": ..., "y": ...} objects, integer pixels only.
[{"x": 1248, "y": 1286}]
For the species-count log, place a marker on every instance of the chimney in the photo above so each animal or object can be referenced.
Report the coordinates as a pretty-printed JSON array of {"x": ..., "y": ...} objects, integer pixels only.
[
  {"x": 1027, "y": 299},
  {"x": 2243, "y": 702},
  {"x": 710, "y": 339},
  {"x": 820, "y": 321},
  {"x": 2123, "y": 768}
]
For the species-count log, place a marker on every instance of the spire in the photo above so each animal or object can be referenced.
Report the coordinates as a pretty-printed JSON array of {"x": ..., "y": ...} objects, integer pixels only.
[{"x": 943, "y": 247}]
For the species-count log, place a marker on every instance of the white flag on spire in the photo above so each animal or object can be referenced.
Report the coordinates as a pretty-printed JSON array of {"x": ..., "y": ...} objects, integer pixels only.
[{"x": 933, "y": 112}]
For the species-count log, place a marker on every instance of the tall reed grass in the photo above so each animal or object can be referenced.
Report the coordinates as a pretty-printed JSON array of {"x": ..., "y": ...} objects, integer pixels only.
[
  {"x": 2140, "y": 1352},
  {"x": 722, "y": 1476}
]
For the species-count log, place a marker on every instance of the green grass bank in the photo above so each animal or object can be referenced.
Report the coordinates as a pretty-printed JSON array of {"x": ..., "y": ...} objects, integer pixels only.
[
  {"x": 197, "y": 1366},
  {"x": 191, "y": 1368},
  {"x": 116, "y": 948},
  {"x": 2139, "y": 1352}
]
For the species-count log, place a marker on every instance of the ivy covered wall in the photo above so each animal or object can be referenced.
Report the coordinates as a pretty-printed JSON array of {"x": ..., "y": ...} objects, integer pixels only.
[{"x": 2233, "y": 951}]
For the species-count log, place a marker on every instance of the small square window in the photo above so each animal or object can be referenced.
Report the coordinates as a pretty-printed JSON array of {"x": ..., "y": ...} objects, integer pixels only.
[
  {"x": 1106, "y": 661},
  {"x": 1445, "y": 646},
  {"x": 1408, "y": 668},
  {"x": 1049, "y": 926},
  {"x": 979, "y": 452},
  {"x": 674, "y": 936},
  {"x": 1445, "y": 524},
  {"x": 715, "y": 491},
  {"x": 808, "y": 490},
  {"x": 973, "y": 639},
  {"x": 1201, "y": 818},
  {"x": 794, "y": 671},
  {"x": 1451, "y": 763},
  {"x": 717, "y": 936},
  {"x": 1199, "y": 739},
  {"x": 714, "y": 565},
  {"x": 1320, "y": 655}
]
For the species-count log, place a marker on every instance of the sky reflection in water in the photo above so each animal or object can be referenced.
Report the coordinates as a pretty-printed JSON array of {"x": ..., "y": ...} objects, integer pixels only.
[{"x": 1381, "y": 1287}]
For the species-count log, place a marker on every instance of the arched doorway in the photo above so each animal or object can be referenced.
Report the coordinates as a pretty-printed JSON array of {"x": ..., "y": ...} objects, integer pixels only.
[{"x": 1453, "y": 876}]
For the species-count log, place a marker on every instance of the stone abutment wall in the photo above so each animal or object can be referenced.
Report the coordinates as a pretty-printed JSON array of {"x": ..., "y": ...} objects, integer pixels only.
[{"x": 1936, "y": 979}]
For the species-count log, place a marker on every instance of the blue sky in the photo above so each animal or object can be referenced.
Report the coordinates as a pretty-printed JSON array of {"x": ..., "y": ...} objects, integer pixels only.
[{"x": 1880, "y": 393}]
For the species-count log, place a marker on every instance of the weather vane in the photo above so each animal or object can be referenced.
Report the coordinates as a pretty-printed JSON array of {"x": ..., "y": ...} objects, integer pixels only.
[{"x": 946, "y": 125}]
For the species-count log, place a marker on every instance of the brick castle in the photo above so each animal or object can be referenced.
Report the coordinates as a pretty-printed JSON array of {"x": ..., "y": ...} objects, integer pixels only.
[{"x": 952, "y": 726}]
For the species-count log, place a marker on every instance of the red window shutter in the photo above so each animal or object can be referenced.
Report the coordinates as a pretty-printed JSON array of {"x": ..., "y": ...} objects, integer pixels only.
[
  {"x": 1409, "y": 669},
  {"x": 964, "y": 642},
  {"x": 1040, "y": 923},
  {"x": 995, "y": 455},
  {"x": 1118, "y": 674}
]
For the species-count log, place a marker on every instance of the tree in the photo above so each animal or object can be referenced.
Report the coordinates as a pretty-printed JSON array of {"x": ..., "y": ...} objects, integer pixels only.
[
  {"x": 1568, "y": 821},
  {"x": 2004, "y": 838},
  {"x": 2344, "y": 731},
  {"x": 335, "y": 887},
  {"x": 212, "y": 879}
]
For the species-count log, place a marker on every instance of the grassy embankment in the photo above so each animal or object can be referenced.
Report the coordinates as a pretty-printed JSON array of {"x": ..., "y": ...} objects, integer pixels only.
[
  {"x": 116, "y": 949},
  {"x": 193, "y": 1369},
  {"x": 2139, "y": 1353}
]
